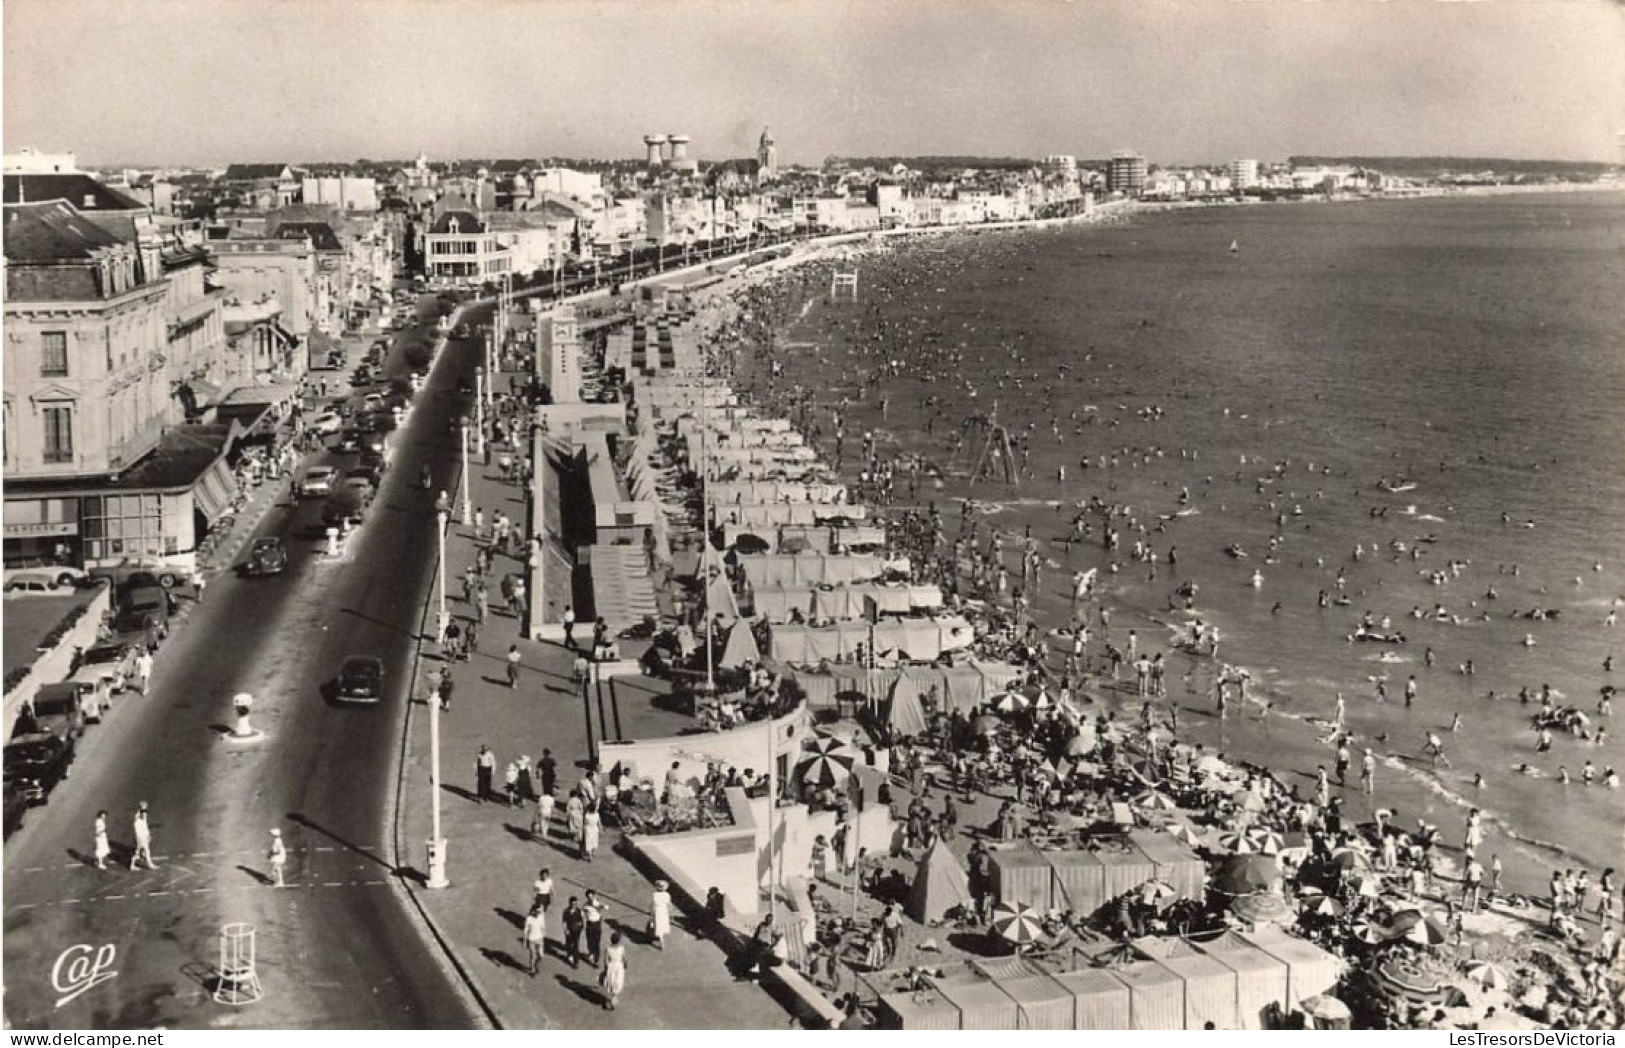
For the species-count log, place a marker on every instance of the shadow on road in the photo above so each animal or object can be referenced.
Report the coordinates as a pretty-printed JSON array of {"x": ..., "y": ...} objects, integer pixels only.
[{"x": 299, "y": 819}]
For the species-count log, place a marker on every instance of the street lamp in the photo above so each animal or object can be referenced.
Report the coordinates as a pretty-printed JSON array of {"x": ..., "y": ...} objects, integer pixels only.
[
  {"x": 437, "y": 842},
  {"x": 479, "y": 410},
  {"x": 462, "y": 431}
]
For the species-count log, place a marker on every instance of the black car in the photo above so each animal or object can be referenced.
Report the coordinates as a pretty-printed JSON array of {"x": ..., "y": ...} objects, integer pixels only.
[
  {"x": 268, "y": 556},
  {"x": 56, "y": 709},
  {"x": 361, "y": 679},
  {"x": 34, "y": 764},
  {"x": 16, "y": 803}
]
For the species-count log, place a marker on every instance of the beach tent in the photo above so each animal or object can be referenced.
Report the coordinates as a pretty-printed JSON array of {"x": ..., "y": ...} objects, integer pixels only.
[
  {"x": 1310, "y": 969},
  {"x": 1210, "y": 986},
  {"x": 982, "y": 1005},
  {"x": 1261, "y": 980},
  {"x": 1021, "y": 876},
  {"x": 741, "y": 647},
  {"x": 962, "y": 688},
  {"x": 939, "y": 885},
  {"x": 1125, "y": 868},
  {"x": 1175, "y": 863},
  {"x": 719, "y": 600},
  {"x": 904, "y": 711},
  {"x": 1156, "y": 995},
  {"x": 1100, "y": 1001},
  {"x": 1077, "y": 881},
  {"x": 918, "y": 1011},
  {"x": 1041, "y": 1002},
  {"x": 775, "y": 603}
]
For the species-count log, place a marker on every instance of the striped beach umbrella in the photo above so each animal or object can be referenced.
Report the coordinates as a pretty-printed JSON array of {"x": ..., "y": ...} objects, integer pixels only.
[
  {"x": 1016, "y": 924},
  {"x": 1414, "y": 926},
  {"x": 829, "y": 746},
  {"x": 824, "y": 770},
  {"x": 1268, "y": 842},
  {"x": 1368, "y": 932},
  {"x": 1490, "y": 976},
  {"x": 1324, "y": 906},
  {"x": 1012, "y": 701},
  {"x": 1262, "y": 908},
  {"x": 1154, "y": 800},
  {"x": 1237, "y": 842},
  {"x": 1186, "y": 834}
]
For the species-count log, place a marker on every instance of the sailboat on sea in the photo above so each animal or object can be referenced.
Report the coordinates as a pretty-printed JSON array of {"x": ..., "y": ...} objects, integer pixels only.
[{"x": 1235, "y": 248}]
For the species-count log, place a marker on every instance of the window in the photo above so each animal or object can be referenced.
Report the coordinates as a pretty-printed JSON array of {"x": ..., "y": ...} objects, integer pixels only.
[
  {"x": 58, "y": 434},
  {"x": 54, "y": 354}
]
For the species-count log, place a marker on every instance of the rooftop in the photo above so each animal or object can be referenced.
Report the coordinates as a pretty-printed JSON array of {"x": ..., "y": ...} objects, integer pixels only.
[
  {"x": 52, "y": 232},
  {"x": 82, "y": 191}
]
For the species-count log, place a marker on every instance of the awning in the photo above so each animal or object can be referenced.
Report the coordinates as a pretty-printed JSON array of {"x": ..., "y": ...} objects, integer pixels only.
[{"x": 214, "y": 490}]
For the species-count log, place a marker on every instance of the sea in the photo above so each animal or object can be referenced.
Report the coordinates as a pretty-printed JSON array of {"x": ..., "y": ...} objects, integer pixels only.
[{"x": 1415, "y": 406}]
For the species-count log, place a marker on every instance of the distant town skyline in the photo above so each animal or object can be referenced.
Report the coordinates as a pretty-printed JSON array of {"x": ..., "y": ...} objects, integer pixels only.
[{"x": 205, "y": 83}]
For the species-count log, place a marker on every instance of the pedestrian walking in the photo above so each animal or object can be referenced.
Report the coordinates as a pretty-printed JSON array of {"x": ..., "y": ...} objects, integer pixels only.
[
  {"x": 575, "y": 928},
  {"x": 613, "y": 978},
  {"x": 575, "y": 812},
  {"x": 547, "y": 770},
  {"x": 592, "y": 827},
  {"x": 660, "y": 914},
  {"x": 513, "y": 665},
  {"x": 482, "y": 602},
  {"x": 535, "y": 936},
  {"x": 541, "y": 824},
  {"x": 484, "y": 768},
  {"x": 569, "y": 627},
  {"x": 278, "y": 856},
  {"x": 102, "y": 848},
  {"x": 541, "y": 890},
  {"x": 444, "y": 690},
  {"x": 197, "y": 587},
  {"x": 527, "y": 789},
  {"x": 510, "y": 783},
  {"x": 592, "y": 913},
  {"x": 143, "y": 839},
  {"x": 143, "y": 668}
]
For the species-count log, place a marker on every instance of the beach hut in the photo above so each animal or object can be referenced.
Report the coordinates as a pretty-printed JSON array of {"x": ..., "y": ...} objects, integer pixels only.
[
  {"x": 1156, "y": 995},
  {"x": 1021, "y": 876},
  {"x": 1077, "y": 881},
  {"x": 939, "y": 885},
  {"x": 1100, "y": 1001},
  {"x": 1125, "y": 867},
  {"x": 1041, "y": 1002},
  {"x": 1310, "y": 969},
  {"x": 926, "y": 1010},
  {"x": 1210, "y": 986},
  {"x": 982, "y": 1004},
  {"x": 1261, "y": 980},
  {"x": 1176, "y": 863}
]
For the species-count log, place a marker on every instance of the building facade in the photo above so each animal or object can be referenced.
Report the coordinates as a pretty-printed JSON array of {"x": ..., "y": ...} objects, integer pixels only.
[
  {"x": 1126, "y": 174},
  {"x": 459, "y": 249}
]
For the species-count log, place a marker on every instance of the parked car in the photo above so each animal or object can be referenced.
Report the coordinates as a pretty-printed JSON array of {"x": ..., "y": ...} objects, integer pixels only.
[
  {"x": 268, "y": 556},
  {"x": 460, "y": 331},
  {"x": 361, "y": 679},
  {"x": 55, "y": 709},
  {"x": 34, "y": 764},
  {"x": 155, "y": 569},
  {"x": 34, "y": 583},
  {"x": 317, "y": 480},
  {"x": 114, "y": 663},
  {"x": 16, "y": 806},
  {"x": 63, "y": 576},
  {"x": 141, "y": 614}
]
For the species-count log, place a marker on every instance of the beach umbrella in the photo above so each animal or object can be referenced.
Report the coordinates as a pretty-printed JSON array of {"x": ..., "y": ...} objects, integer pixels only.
[
  {"x": 1016, "y": 924},
  {"x": 1237, "y": 841},
  {"x": 829, "y": 746},
  {"x": 1400, "y": 976},
  {"x": 986, "y": 724},
  {"x": 1262, "y": 908},
  {"x": 1417, "y": 927},
  {"x": 1368, "y": 932},
  {"x": 1186, "y": 834},
  {"x": 1010, "y": 702},
  {"x": 1246, "y": 874},
  {"x": 824, "y": 770},
  {"x": 1153, "y": 892},
  {"x": 1350, "y": 859},
  {"x": 1269, "y": 842},
  {"x": 1325, "y": 906},
  {"x": 1324, "y": 1007},
  {"x": 1490, "y": 976},
  {"x": 1153, "y": 800}
]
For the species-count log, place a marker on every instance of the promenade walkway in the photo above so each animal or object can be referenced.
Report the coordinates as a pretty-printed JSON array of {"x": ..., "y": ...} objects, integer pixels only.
[{"x": 492, "y": 858}]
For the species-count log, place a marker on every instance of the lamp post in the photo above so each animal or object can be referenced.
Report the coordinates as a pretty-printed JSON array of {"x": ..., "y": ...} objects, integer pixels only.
[
  {"x": 479, "y": 411},
  {"x": 437, "y": 843},
  {"x": 462, "y": 431}
]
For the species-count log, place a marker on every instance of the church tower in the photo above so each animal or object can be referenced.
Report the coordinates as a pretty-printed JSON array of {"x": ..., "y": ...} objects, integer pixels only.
[{"x": 767, "y": 157}]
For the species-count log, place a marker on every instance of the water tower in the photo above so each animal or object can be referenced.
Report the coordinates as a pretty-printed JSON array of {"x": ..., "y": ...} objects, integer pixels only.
[{"x": 655, "y": 144}]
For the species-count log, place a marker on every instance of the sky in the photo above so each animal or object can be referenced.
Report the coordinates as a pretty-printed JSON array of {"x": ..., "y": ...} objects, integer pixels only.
[{"x": 208, "y": 82}]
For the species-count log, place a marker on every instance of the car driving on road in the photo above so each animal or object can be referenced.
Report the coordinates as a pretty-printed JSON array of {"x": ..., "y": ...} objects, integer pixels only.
[
  {"x": 268, "y": 556},
  {"x": 317, "y": 480},
  {"x": 361, "y": 679}
]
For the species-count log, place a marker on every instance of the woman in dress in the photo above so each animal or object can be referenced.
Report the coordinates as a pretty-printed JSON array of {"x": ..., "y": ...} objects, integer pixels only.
[
  {"x": 660, "y": 914},
  {"x": 575, "y": 815},
  {"x": 103, "y": 849},
  {"x": 591, "y": 827},
  {"x": 613, "y": 979}
]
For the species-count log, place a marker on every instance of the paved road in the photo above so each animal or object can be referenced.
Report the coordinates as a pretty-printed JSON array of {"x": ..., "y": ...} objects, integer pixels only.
[{"x": 336, "y": 948}]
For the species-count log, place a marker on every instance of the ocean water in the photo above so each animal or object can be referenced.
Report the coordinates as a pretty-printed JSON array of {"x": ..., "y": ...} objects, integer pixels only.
[{"x": 1471, "y": 347}]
